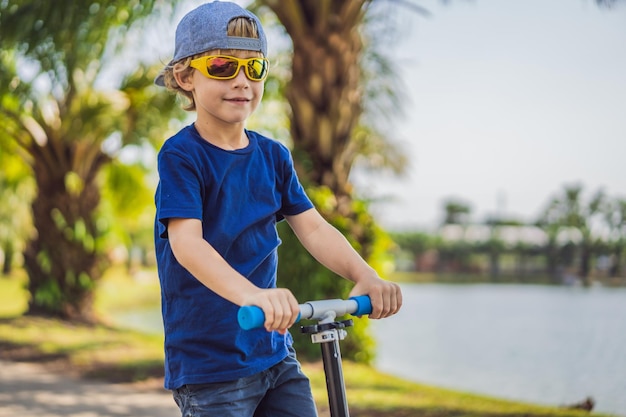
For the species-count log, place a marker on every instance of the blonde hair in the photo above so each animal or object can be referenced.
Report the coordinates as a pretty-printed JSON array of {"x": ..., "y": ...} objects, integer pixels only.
[{"x": 239, "y": 26}]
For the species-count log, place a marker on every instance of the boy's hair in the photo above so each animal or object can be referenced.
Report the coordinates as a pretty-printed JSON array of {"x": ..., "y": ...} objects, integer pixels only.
[{"x": 238, "y": 27}]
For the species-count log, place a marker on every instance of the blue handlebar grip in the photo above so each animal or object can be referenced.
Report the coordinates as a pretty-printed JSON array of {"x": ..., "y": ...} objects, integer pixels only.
[
  {"x": 364, "y": 305},
  {"x": 250, "y": 317}
]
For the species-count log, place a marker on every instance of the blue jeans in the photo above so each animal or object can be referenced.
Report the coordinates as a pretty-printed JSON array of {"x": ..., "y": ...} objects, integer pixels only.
[{"x": 280, "y": 391}]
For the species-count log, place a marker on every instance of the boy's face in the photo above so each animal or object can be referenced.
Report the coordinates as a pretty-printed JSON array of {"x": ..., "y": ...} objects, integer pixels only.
[{"x": 226, "y": 100}]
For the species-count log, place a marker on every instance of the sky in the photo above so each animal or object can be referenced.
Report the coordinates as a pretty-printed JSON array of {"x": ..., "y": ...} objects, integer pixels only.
[{"x": 509, "y": 101}]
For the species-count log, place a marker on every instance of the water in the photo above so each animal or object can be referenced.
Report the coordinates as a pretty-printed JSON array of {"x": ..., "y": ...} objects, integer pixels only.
[{"x": 544, "y": 345}]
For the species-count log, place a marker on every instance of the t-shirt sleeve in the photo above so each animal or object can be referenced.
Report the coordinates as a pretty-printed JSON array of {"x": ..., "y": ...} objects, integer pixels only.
[{"x": 179, "y": 194}]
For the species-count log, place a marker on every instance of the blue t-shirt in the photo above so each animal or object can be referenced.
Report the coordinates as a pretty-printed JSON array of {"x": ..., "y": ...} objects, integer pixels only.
[{"x": 239, "y": 196}]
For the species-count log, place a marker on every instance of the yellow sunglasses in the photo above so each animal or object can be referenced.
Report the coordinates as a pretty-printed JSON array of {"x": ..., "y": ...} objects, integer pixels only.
[{"x": 222, "y": 67}]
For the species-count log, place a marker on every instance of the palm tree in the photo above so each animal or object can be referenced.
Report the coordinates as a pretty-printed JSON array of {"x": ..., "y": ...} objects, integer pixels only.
[
  {"x": 456, "y": 212},
  {"x": 326, "y": 92},
  {"x": 569, "y": 211},
  {"x": 69, "y": 129},
  {"x": 326, "y": 95}
]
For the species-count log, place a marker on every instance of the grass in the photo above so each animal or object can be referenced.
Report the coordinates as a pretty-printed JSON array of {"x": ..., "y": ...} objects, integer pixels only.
[
  {"x": 98, "y": 351},
  {"x": 372, "y": 393},
  {"x": 13, "y": 294},
  {"x": 116, "y": 355}
]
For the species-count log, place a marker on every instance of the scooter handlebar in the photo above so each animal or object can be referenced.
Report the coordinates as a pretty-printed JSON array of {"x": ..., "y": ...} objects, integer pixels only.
[{"x": 252, "y": 317}]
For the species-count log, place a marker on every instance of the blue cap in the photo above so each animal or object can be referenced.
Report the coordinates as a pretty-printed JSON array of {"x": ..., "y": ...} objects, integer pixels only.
[{"x": 206, "y": 27}]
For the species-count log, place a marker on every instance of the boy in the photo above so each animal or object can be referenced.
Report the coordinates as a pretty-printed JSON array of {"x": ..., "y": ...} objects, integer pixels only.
[{"x": 222, "y": 189}]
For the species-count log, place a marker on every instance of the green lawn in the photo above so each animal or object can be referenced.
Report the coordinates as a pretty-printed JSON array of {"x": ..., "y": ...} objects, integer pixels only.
[{"x": 118, "y": 355}]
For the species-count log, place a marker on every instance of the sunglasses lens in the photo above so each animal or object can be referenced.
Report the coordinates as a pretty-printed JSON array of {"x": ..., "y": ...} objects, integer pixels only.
[
  {"x": 222, "y": 67},
  {"x": 257, "y": 69}
]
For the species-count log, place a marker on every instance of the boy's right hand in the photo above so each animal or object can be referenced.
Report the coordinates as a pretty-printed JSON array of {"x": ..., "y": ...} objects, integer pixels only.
[{"x": 280, "y": 307}]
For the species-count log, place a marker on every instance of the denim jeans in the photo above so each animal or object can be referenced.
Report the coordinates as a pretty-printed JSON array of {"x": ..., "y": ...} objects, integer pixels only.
[{"x": 280, "y": 391}]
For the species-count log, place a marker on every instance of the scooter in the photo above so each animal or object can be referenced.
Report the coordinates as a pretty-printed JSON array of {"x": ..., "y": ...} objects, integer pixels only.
[{"x": 327, "y": 332}]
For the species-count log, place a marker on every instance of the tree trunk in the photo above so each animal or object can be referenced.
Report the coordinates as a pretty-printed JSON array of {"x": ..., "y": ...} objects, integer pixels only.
[
  {"x": 62, "y": 259},
  {"x": 7, "y": 265},
  {"x": 324, "y": 91}
]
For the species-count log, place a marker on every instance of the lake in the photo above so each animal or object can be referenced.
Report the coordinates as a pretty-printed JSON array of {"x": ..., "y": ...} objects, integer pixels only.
[{"x": 540, "y": 344}]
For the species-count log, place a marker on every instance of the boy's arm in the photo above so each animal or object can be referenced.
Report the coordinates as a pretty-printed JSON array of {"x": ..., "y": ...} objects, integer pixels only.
[
  {"x": 202, "y": 260},
  {"x": 332, "y": 250}
]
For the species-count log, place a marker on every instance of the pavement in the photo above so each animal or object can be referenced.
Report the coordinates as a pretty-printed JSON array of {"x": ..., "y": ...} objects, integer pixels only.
[{"x": 31, "y": 390}]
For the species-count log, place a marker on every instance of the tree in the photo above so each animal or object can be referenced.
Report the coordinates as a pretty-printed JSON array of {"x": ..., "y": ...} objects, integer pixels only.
[
  {"x": 336, "y": 65},
  {"x": 569, "y": 211},
  {"x": 615, "y": 217},
  {"x": 324, "y": 92},
  {"x": 417, "y": 244},
  {"x": 456, "y": 212},
  {"x": 52, "y": 59},
  {"x": 326, "y": 97},
  {"x": 329, "y": 75}
]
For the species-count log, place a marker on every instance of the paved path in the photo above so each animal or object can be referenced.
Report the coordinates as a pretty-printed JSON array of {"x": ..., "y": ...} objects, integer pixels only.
[{"x": 29, "y": 390}]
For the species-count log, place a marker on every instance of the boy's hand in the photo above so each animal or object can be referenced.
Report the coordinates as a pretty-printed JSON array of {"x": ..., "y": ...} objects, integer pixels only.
[
  {"x": 386, "y": 296},
  {"x": 280, "y": 307}
]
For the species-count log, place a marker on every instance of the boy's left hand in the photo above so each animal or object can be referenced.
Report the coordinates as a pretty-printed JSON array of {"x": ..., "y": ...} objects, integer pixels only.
[{"x": 386, "y": 296}]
